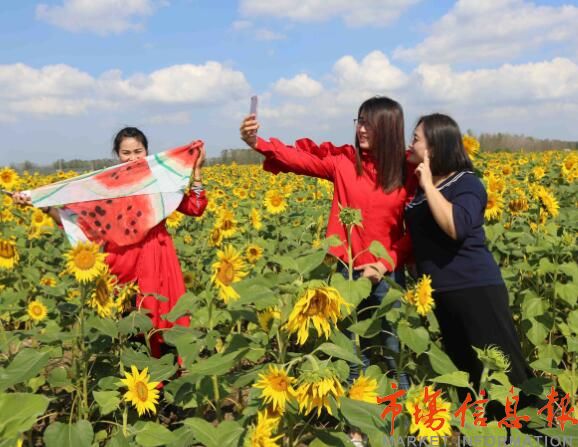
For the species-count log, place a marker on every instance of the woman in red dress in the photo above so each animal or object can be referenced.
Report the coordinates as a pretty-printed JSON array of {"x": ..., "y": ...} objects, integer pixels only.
[
  {"x": 371, "y": 177},
  {"x": 151, "y": 263}
]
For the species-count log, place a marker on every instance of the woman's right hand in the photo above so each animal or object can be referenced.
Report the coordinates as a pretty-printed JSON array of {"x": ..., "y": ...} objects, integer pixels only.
[
  {"x": 21, "y": 199},
  {"x": 249, "y": 128}
]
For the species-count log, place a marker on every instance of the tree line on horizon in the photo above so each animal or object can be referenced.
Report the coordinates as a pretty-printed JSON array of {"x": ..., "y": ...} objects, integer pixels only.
[{"x": 489, "y": 142}]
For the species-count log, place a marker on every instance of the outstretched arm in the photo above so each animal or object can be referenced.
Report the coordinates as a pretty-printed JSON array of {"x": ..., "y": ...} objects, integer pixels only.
[{"x": 283, "y": 158}]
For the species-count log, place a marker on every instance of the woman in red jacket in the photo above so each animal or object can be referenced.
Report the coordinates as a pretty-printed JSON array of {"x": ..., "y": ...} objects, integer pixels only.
[
  {"x": 151, "y": 263},
  {"x": 371, "y": 177}
]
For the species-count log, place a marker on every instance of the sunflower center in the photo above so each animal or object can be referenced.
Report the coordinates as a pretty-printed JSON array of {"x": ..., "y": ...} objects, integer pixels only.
[
  {"x": 36, "y": 310},
  {"x": 84, "y": 260},
  {"x": 102, "y": 292},
  {"x": 279, "y": 383},
  {"x": 6, "y": 177},
  {"x": 226, "y": 273},
  {"x": 142, "y": 391},
  {"x": 7, "y": 250},
  {"x": 316, "y": 304},
  {"x": 227, "y": 225},
  {"x": 276, "y": 200}
]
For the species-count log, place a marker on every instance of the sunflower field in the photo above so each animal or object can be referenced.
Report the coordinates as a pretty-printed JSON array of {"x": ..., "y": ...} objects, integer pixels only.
[{"x": 274, "y": 333}]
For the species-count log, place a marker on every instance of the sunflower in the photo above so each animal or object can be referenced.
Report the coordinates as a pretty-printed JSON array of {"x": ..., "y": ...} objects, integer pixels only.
[
  {"x": 275, "y": 202},
  {"x": 141, "y": 393},
  {"x": 228, "y": 270},
  {"x": 518, "y": 201},
  {"x": 538, "y": 172},
  {"x": 318, "y": 307},
  {"x": 266, "y": 316},
  {"x": 8, "y": 179},
  {"x": 85, "y": 261},
  {"x": 6, "y": 215},
  {"x": 495, "y": 184},
  {"x": 315, "y": 388},
  {"x": 188, "y": 239},
  {"x": 125, "y": 296},
  {"x": 37, "y": 311},
  {"x": 215, "y": 237},
  {"x": 277, "y": 388},
  {"x": 364, "y": 389},
  {"x": 261, "y": 434},
  {"x": 430, "y": 414},
  {"x": 422, "y": 296},
  {"x": 226, "y": 223},
  {"x": 48, "y": 281},
  {"x": 493, "y": 358},
  {"x": 102, "y": 297},
  {"x": 253, "y": 253},
  {"x": 255, "y": 217},
  {"x": 40, "y": 219},
  {"x": 494, "y": 206},
  {"x": 548, "y": 202},
  {"x": 471, "y": 146},
  {"x": 175, "y": 219},
  {"x": 8, "y": 254}
]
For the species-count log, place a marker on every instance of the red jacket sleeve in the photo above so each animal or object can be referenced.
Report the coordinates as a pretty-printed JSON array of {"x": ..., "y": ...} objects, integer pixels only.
[
  {"x": 193, "y": 204},
  {"x": 305, "y": 158}
]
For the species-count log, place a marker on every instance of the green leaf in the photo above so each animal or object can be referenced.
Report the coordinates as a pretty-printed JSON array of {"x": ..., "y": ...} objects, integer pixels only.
[
  {"x": 537, "y": 332},
  {"x": 151, "y": 434},
  {"x": 367, "y": 328},
  {"x": 362, "y": 415},
  {"x": 159, "y": 369},
  {"x": 417, "y": 339},
  {"x": 379, "y": 251},
  {"x": 108, "y": 401},
  {"x": 330, "y": 439},
  {"x": 27, "y": 364},
  {"x": 440, "y": 361},
  {"x": 567, "y": 292},
  {"x": 337, "y": 351},
  {"x": 19, "y": 411},
  {"x": 79, "y": 434},
  {"x": 118, "y": 440},
  {"x": 105, "y": 326},
  {"x": 310, "y": 262},
  {"x": 58, "y": 378},
  {"x": 352, "y": 291},
  {"x": 568, "y": 382},
  {"x": 135, "y": 323},
  {"x": 218, "y": 364},
  {"x": 456, "y": 378},
  {"x": 204, "y": 432}
]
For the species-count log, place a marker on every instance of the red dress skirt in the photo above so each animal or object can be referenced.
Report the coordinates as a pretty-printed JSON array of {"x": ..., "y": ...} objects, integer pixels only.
[{"x": 154, "y": 266}]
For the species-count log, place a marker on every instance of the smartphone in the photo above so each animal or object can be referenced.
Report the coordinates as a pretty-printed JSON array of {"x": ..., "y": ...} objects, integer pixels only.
[{"x": 253, "y": 109}]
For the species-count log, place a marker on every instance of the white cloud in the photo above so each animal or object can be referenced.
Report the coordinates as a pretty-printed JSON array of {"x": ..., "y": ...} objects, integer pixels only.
[
  {"x": 98, "y": 16},
  {"x": 354, "y": 13},
  {"x": 65, "y": 90},
  {"x": 170, "y": 118},
  {"x": 508, "y": 85},
  {"x": 493, "y": 30},
  {"x": 299, "y": 86},
  {"x": 246, "y": 26},
  {"x": 537, "y": 99},
  {"x": 266, "y": 34},
  {"x": 375, "y": 73}
]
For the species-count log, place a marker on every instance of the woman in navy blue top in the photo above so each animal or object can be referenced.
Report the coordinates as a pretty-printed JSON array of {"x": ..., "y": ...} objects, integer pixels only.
[{"x": 445, "y": 220}]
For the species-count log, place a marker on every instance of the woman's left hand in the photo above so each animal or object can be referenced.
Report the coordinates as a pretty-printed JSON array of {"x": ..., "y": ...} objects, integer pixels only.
[
  {"x": 199, "y": 163},
  {"x": 423, "y": 172},
  {"x": 374, "y": 271}
]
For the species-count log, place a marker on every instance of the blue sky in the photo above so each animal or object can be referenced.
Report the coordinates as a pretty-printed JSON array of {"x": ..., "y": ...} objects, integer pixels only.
[{"x": 72, "y": 72}]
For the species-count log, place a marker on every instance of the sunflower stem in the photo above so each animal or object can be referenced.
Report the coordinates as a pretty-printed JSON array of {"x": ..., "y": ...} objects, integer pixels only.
[{"x": 217, "y": 397}]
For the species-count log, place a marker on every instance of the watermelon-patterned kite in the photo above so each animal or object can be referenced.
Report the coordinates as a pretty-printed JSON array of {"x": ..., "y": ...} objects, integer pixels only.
[{"x": 122, "y": 203}]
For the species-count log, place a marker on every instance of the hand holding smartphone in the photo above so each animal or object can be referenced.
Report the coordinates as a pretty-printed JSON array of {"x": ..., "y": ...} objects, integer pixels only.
[{"x": 253, "y": 109}]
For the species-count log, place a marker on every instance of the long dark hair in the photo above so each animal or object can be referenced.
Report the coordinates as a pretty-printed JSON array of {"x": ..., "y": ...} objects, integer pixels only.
[
  {"x": 385, "y": 117},
  {"x": 445, "y": 144},
  {"x": 129, "y": 132}
]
